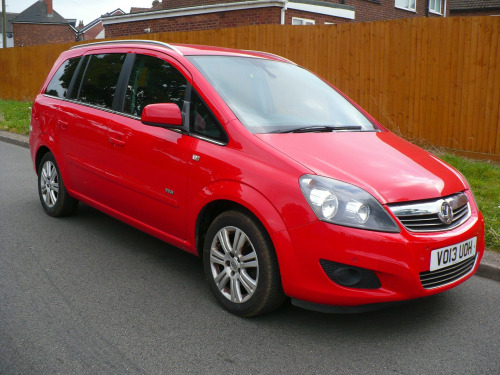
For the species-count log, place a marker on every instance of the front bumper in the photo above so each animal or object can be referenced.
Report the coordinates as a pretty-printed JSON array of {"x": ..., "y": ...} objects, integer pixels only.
[{"x": 397, "y": 259}]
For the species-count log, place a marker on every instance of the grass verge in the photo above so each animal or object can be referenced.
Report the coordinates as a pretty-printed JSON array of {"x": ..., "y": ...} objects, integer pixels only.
[
  {"x": 15, "y": 116},
  {"x": 484, "y": 179},
  {"x": 483, "y": 176}
]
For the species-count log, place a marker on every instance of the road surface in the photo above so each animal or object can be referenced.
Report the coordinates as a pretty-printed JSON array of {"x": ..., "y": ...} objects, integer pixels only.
[{"x": 88, "y": 294}]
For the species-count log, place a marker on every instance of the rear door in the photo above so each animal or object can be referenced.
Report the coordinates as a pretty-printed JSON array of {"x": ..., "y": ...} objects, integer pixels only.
[{"x": 83, "y": 125}]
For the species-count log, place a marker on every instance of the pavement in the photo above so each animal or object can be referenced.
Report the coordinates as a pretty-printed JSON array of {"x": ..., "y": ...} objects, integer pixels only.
[{"x": 488, "y": 268}]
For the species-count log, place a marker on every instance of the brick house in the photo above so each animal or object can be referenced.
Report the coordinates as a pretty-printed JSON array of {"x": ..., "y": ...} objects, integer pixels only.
[
  {"x": 184, "y": 15},
  {"x": 474, "y": 7},
  {"x": 95, "y": 29},
  {"x": 41, "y": 24}
]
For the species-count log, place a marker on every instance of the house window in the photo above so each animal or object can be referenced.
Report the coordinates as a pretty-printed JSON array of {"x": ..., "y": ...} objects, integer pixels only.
[
  {"x": 435, "y": 6},
  {"x": 407, "y": 4},
  {"x": 302, "y": 21}
]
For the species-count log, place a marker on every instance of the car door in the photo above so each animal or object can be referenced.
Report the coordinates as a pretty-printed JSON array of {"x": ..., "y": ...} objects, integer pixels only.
[
  {"x": 149, "y": 165},
  {"x": 83, "y": 122}
]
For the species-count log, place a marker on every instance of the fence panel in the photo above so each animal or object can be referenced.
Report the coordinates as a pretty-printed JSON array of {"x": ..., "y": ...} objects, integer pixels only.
[{"x": 429, "y": 79}]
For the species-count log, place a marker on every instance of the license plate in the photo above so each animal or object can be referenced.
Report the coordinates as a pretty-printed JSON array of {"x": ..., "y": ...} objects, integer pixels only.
[{"x": 447, "y": 256}]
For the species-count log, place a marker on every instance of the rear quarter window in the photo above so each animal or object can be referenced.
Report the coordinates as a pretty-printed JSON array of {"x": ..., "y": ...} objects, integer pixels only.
[{"x": 60, "y": 82}]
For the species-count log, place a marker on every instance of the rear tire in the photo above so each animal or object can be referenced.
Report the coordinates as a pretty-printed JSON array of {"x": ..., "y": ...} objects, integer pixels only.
[
  {"x": 53, "y": 195},
  {"x": 241, "y": 266}
]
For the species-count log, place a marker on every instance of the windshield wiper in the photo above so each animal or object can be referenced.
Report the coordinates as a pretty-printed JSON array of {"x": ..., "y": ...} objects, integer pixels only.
[{"x": 320, "y": 129}]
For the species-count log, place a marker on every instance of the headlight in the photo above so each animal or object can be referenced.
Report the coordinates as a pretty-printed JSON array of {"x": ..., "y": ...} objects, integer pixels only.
[{"x": 345, "y": 204}]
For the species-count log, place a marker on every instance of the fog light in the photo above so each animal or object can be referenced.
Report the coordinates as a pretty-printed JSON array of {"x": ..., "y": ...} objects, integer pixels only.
[
  {"x": 350, "y": 276},
  {"x": 347, "y": 276}
]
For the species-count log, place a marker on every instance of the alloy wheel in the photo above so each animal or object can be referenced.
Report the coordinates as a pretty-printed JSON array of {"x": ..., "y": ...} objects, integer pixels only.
[
  {"x": 49, "y": 184},
  {"x": 234, "y": 264}
]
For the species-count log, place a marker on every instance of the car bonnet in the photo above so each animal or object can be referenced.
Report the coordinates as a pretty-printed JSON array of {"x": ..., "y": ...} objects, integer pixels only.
[{"x": 388, "y": 167}]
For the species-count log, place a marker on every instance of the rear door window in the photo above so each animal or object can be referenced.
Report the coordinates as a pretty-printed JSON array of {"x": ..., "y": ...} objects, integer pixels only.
[
  {"x": 101, "y": 78},
  {"x": 153, "y": 80},
  {"x": 60, "y": 83}
]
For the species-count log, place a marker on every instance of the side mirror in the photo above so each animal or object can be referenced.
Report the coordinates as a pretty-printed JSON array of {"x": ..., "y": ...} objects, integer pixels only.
[{"x": 165, "y": 115}]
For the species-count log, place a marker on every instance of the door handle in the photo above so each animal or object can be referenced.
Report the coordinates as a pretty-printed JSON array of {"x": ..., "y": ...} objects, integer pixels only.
[
  {"x": 62, "y": 124},
  {"x": 116, "y": 142}
]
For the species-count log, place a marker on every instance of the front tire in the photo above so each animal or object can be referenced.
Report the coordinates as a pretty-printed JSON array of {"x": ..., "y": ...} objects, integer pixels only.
[
  {"x": 240, "y": 265},
  {"x": 53, "y": 195}
]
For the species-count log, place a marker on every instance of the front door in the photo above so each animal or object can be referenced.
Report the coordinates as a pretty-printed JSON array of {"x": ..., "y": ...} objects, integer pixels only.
[{"x": 149, "y": 165}]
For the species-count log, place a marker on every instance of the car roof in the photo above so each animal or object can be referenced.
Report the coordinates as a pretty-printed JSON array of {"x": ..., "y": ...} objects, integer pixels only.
[{"x": 183, "y": 49}]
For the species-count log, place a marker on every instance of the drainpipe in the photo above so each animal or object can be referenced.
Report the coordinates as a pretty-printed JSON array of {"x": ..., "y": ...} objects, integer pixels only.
[
  {"x": 444, "y": 10},
  {"x": 283, "y": 11},
  {"x": 427, "y": 11}
]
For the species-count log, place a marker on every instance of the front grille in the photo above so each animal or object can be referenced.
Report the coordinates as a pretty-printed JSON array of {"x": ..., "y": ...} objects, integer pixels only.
[
  {"x": 432, "y": 222},
  {"x": 443, "y": 276},
  {"x": 425, "y": 216}
]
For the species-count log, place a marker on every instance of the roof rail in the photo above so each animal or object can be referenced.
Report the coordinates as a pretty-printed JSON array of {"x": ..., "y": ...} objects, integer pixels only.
[
  {"x": 141, "y": 41},
  {"x": 271, "y": 55}
]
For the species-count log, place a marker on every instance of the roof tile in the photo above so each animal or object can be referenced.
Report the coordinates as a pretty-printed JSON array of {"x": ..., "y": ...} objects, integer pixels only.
[
  {"x": 473, "y": 4},
  {"x": 8, "y": 25},
  {"x": 37, "y": 13}
]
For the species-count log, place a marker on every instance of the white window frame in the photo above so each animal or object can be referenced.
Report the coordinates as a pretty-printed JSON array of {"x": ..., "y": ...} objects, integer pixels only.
[
  {"x": 406, "y": 5},
  {"x": 433, "y": 10},
  {"x": 303, "y": 21}
]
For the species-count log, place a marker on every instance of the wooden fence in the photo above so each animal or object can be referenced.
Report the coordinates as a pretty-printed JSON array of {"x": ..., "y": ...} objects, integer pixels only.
[{"x": 432, "y": 80}]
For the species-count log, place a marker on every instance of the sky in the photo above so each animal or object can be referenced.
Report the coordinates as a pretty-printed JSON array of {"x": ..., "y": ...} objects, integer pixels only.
[{"x": 86, "y": 10}]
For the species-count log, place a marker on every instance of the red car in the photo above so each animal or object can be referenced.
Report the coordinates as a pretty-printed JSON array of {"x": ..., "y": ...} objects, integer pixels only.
[{"x": 280, "y": 182}]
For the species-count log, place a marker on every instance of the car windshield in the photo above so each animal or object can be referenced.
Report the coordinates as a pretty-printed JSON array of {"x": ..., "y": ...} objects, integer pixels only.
[{"x": 271, "y": 96}]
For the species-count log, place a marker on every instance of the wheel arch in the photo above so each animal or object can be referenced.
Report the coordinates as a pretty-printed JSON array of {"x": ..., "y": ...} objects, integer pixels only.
[
  {"x": 210, "y": 212},
  {"x": 42, "y": 150},
  {"x": 248, "y": 201}
]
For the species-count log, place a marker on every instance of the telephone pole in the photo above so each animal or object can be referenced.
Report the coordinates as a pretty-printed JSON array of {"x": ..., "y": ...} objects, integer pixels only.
[{"x": 4, "y": 26}]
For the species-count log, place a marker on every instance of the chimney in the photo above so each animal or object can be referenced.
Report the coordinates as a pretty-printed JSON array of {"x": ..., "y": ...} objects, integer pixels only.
[{"x": 50, "y": 9}]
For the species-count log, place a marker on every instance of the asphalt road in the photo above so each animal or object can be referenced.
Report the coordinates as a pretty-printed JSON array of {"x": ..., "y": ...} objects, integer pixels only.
[{"x": 88, "y": 294}]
